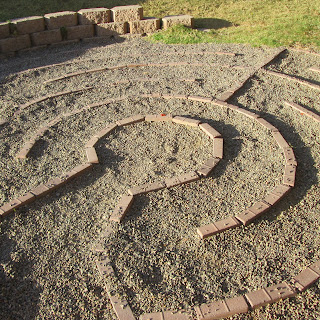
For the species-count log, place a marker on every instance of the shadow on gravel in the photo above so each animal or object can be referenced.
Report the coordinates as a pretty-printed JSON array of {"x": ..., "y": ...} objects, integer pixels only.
[
  {"x": 19, "y": 296},
  {"x": 50, "y": 55}
]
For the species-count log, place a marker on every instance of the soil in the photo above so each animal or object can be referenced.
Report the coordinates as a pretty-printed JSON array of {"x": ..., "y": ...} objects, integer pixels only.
[{"x": 47, "y": 255}]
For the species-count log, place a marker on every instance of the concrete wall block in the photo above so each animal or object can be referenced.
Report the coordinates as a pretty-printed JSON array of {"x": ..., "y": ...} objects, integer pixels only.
[
  {"x": 94, "y": 16},
  {"x": 15, "y": 43},
  {"x": 28, "y": 25},
  {"x": 46, "y": 37},
  {"x": 80, "y": 32},
  {"x": 170, "y": 21},
  {"x": 111, "y": 29},
  {"x": 61, "y": 19},
  {"x": 127, "y": 13},
  {"x": 148, "y": 25},
  {"x": 4, "y": 30}
]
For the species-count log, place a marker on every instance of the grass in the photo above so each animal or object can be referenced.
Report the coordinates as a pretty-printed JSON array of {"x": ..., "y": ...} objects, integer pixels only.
[{"x": 256, "y": 22}]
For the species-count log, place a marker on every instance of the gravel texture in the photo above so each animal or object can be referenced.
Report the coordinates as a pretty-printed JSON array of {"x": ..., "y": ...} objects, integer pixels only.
[{"x": 47, "y": 255}]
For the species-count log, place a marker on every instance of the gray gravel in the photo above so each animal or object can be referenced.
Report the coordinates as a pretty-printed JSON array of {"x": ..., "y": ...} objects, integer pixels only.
[{"x": 47, "y": 268}]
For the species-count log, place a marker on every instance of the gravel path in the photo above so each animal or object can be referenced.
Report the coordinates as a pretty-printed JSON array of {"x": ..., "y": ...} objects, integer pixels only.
[{"x": 47, "y": 268}]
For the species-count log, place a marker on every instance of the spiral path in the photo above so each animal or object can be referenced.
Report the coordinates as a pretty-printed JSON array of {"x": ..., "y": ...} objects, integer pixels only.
[{"x": 168, "y": 170}]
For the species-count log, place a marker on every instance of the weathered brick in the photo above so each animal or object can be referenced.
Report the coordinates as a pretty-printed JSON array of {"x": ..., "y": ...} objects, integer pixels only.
[
  {"x": 111, "y": 29},
  {"x": 92, "y": 155},
  {"x": 280, "y": 140},
  {"x": 147, "y": 25},
  {"x": 158, "y": 117},
  {"x": 166, "y": 315},
  {"x": 305, "y": 279},
  {"x": 289, "y": 156},
  {"x": 94, "y": 16},
  {"x": 15, "y": 43},
  {"x": 210, "y": 131},
  {"x": 4, "y": 30},
  {"x": 122, "y": 208},
  {"x": 145, "y": 188},
  {"x": 127, "y": 13},
  {"x": 28, "y": 24},
  {"x": 212, "y": 310},
  {"x": 267, "y": 124},
  {"x": 186, "y": 121},
  {"x": 130, "y": 120},
  {"x": 40, "y": 191},
  {"x": 58, "y": 20},
  {"x": 46, "y": 37},
  {"x": 207, "y": 230},
  {"x": 280, "y": 291},
  {"x": 10, "y": 206},
  {"x": 26, "y": 198},
  {"x": 170, "y": 21},
  {"x": 258, "y": 298},
  {"x": 121, "y": 307},
  {"x": 80, "y": 32},
  {"x": 102, "y": 133},
  {"x": 218, "y": 147},
  {"x": 237, "y": 305}
]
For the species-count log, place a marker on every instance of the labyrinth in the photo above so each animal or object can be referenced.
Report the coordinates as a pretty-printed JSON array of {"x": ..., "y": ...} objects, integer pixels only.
[{"x": 148, "y": 181}]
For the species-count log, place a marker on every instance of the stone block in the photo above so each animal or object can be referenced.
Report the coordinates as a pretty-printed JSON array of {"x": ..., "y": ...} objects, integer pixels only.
[
  {"x": 58, "y": 20},
  {"x": 148, "y": 25},
  {"x": 46, "y": 37},
  {"x": 28, "y": 25},
  {"x": 127, "y": 13},
  {"x": 4, "y": 30},
  {"x": 111, "y": 29},
  {"x": 94, "y": 16},
  {"x": 170, "y": 21},
  {"x": 80, "y": 32},
  {"x": 15, "y": 43}
]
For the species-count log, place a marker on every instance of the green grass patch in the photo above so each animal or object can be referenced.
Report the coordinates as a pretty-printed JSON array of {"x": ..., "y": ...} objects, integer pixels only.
[{"x": 256, "y": 22}]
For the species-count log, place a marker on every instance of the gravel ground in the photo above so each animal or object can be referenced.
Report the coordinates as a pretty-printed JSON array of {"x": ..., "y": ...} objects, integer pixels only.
[{"x": 47, "y": 268}]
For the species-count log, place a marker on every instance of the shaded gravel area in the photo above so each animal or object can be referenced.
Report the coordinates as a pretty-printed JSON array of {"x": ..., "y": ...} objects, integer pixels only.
[{"x": 47, "y": 268}]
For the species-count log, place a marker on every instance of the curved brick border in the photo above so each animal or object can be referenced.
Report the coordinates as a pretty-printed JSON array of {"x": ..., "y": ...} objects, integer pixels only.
[{"x": 303, "y": 110}]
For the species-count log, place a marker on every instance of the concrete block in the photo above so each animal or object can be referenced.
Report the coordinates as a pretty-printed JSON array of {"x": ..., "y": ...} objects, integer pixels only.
[
  {"x": 127, "y": 13},
  {"x": 15, "y": 43},
  {"x": 28, "y": 25},
  {"x": 4, "y": 30},
  {"x": 94, "y": 16},
  {"x": 46, "y": 37},
  {"x": 80, "y": 32},
  {"x": 170, "y": 21},
  {"x": 111, "y": 29},
  {"x": 58, "y": 20},
  {"x": 147, "y": 25}
]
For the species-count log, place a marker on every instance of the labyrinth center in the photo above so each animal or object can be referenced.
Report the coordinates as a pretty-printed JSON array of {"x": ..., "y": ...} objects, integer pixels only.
[{"x": 113, "y": 157}]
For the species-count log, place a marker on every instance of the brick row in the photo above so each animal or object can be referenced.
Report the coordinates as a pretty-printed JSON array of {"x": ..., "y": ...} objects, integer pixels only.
[
  {"x": 315, "y": 69},
  {"x": 218, "y": 227},
  {"x": 42, "y": 190},
  {"x": 303, "y": 110},
  {"x": 130, "y": 120},
  {"x": 158, "y": 117},
  {"x": 270, "y": 294},
  {"x": 145, "y": 188},
  {"x": 122, "y": 208},
  {"x": 92, "y": 156},
  {"x": 208, "y": 166},
  {"x": 186, "y": 121},
  {"x": 167, "y": 315},
  {"x": 294, "y": 79},
  {"x": 222, "y": 309},
  {"x": 209, "y": 130}
]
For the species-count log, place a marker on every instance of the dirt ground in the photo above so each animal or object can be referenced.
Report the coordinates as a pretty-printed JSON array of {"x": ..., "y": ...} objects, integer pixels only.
[{"x": 47, "y": 255}]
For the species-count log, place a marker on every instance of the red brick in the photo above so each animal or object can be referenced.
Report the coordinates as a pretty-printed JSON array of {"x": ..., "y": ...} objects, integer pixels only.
[
  {"x": 225, "y": 224},
  {"x": 148, "y": 187},
  {"x": 91, "y": 143},
  {"x": 11, "y": 206},
  {"x": 92, "y": 155},
  {"x": 54, "y": 183},
  {"x": 290, "y": 170},
  {"x": 130, "y": 120},
  {"x": 289, "y": 156},
  {"x": 212, "y": 310},
  {"x": 122, "y": 208},
  {"x": 316, "y": 267},
  {"x": 272, "y": 198},
  {"x": 237, "y": 305},
  {"x": 158, "y": 117},
  {"x": 225, "y": 95},
  {"x": 248, "y": 113},
  {"x": 186, "y": 121},
  {"x": 106, "y": 130},
  {"x": 305, "y": 279},
  {"x": 200, "y": 99},
  {"x": 166, "y": 315},
  {"x": 210, "y": 131},
  {"x": 188, "y": 177},
  {"x": 82, "y": 167},
  {"x": 40, "y": 191},
  {"x": 246, "y": 217},
  {"x": 267, "y": 124},
  {"x": 280, "y": 140},
  {"x": 26, "y": 198},
  {"x": 121, "y": 307},
  {"x": 258, "y": 298},
  {"x": 253, "y": 212},
  {"x": 280, "y": 291},
  {"x": 281, "y": 190},
  {"x": 172, "y": 182},
  {"x": 289, "y": 180},
  {"x": 218, "y": 147}
]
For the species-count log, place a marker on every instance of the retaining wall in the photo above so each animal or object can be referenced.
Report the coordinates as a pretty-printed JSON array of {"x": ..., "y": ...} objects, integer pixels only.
[{"x": 70, "y": 26}]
